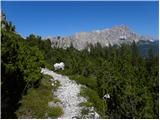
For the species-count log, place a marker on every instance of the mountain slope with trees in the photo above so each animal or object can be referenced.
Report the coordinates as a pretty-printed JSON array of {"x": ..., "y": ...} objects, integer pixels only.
[{"x": 132, "y": 81}]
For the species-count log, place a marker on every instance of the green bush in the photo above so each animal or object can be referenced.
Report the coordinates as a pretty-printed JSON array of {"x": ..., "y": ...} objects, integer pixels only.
[
  {"x": 55, "y": 112},
  {"x": 63, "y": 72},
  {"x": 86, "y": 104},
  {"x": 84, "y": 111},
  {"x": 88, "y": 81},
  {"x": 94, "y": 98}
]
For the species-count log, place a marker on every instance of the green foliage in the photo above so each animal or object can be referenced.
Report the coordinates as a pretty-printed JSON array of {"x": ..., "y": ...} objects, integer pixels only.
[
  {"x": 86, "y": 104},
  {"x": 35, "y": 103},
  {"x": 88, "y": 81},
  {"x": 55, "y": 112},
  {"x": 131, "y": 80},
  {"x": 20, "y": 68},
  {"x": 16, "y": 56},
  {"x": 94, "y": 99},
  {"x": 27, "y": 57},
  {"x": 56, "y": 100},
  {"x": 84, "y": 111}
]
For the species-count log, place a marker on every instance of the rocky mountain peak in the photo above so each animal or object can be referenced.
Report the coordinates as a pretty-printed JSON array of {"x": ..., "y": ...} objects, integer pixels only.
[{"x": 115, "y": 35}]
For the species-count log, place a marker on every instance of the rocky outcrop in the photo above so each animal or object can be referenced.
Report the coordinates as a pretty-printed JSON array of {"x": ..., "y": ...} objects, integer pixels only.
[{"x": 115, "y": 35}]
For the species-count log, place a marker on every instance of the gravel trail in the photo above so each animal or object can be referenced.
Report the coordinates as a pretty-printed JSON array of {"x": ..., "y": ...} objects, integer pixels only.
[{"x": 68, "y": 93}]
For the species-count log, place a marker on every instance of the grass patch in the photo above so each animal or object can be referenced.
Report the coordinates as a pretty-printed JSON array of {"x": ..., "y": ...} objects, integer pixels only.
[
  {"x": 56, "y": 100},
  {"x": 88, "y": 81},
  {"x": 55, "y": 112},
  {"x": 86, "y": 104},
  {"x": 63, "y": 72},
  {"x": 94, "y": 98},
  {"x": 84, "y": 112},
  {"x": 35, "y": 103},
  {"x": 45, "y": 82},
  {"x": 48, "y": 66}
]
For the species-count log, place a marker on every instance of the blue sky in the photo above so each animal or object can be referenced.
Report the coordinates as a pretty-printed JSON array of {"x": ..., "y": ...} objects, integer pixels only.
[{"x": 65, "y": 18}]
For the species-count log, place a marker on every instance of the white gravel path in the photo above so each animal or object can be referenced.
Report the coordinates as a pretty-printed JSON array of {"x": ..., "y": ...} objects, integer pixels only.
[{"x": 68, "y": 93}]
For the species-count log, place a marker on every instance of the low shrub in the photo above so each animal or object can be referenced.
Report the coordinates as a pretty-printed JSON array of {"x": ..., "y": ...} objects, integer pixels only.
[
  {"x": 35, "y": 103},
  {"x": 94, "y": 98},
  {"x": 55, "y": 112},
  {"x": 86, "y": 104},
  {"x": 88, "y": 81}
]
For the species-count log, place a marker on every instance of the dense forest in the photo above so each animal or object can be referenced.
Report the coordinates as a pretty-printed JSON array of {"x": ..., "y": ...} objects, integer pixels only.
[{"x": 131, "y": 80}]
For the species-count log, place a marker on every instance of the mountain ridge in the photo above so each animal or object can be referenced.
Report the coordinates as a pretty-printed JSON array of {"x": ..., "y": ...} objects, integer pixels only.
[{"x": 114, "y": 36}]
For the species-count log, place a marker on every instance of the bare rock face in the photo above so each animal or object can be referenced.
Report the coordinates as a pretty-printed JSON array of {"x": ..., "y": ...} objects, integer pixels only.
[{"x": 113, "y": 36}]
